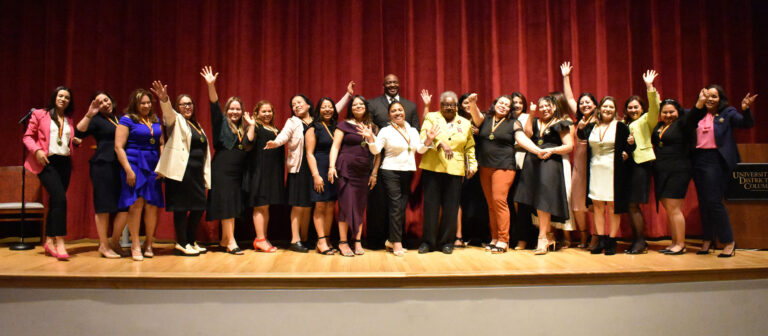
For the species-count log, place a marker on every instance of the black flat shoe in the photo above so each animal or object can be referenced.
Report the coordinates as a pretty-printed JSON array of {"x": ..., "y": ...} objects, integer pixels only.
[
  {"x": 424, "y": 248},
  {"x": 710, "y": 249},
  {"x": 670, "y": 252},
  {"x": 664, "y": 250},
  {"x": 447, "y": 249},
  {"x": 235, "y": 251},
  {"x": 298, "y": 247}
]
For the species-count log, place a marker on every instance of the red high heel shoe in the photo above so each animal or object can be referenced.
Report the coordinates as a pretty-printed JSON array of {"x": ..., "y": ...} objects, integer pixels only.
[{"x": 258, "y": 248}]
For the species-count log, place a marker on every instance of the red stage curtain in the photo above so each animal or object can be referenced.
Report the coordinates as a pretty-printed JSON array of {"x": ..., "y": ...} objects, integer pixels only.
[{"x": 275, "y": 49}]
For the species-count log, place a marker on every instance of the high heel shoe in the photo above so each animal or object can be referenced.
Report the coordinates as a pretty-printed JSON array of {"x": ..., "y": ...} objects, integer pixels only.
[
  {"x": 271, "y": 248},
  {"x": 638, "y": 248},
  {"x": 728, "y": 255},
  {"x": 328, "y": 251},
  {"x": 709, "y": 249},
  {"x": 542, "y": 246},
  {"x": 148, "y": 252},
  {"x": 460, "y": 243},
  {"x": 136, "y": 254},
  {"x": 348, "y": 254},
  {"x": 49, "y": 251},
  {"x": 357, "y": 251},
  {"x": 63, "y": 256},
  {"x": 108, "y": 253}
]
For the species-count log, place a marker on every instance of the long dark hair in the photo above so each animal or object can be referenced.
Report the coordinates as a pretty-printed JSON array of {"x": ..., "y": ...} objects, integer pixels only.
[
  {"x": 591, "y": 97},
  {"x": 366, "y": 116},
  {"x": 627, "y": 118},
  {"x": 306, "y": 101},
  {"x": 318, "y": 118},
  {"x": 52, "y": 102},
  {"x": 721, "y": 92},
  {"x": 100, "y": 92},
  {"x": 492, "y": 110},
  {"x": 520, "y": 95}
]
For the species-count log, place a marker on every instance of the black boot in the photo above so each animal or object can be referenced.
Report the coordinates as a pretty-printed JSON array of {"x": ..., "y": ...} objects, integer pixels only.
[
  {"x": 602, "y": 241},
  {"x": 610, "y": 248}
]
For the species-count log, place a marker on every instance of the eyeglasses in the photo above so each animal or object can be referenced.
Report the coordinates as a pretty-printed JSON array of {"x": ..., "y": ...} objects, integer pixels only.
[{"x": 186, "y": 104}]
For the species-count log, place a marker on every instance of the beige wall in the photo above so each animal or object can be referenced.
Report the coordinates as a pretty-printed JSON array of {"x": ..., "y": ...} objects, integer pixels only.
[{"x": 710, "y": 308}]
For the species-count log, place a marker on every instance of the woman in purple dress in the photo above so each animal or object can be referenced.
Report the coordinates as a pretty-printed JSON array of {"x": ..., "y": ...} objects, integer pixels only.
[{"x": 350, "y": 165}]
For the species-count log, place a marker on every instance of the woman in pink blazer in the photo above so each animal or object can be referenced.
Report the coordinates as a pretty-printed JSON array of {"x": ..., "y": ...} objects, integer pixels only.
[{"x": 49, "y": 139}]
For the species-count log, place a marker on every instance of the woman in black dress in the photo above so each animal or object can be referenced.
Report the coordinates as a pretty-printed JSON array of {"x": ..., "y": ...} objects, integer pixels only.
[
  {"x": 100, "y": 121},
  {"x": 186, "y": 166},
  {"x": 233, "y": 134},
  {"x": 542, "y": 184},
  {"x": 672, "y": 169},
  {"x": 318, "y": 141},
  {"x": 265, "y": 175}
]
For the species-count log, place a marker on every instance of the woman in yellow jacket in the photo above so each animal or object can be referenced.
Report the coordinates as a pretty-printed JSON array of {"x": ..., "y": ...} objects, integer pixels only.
[
  {"x": 444, "y": 168},
  {"x": 641, "y": 125}
]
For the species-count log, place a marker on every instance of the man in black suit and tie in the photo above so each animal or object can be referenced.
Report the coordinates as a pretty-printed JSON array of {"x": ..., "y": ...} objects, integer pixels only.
[{"x": 377, "y": 230}]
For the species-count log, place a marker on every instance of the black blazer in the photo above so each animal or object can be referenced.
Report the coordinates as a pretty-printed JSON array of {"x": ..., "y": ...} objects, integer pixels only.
[
  {"x": 620, "y": 167},
  {"x": 380, "y": 114}
]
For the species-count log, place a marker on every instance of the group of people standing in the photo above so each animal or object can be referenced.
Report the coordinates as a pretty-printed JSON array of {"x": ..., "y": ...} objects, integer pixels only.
[{"x": 366, "y": 163}]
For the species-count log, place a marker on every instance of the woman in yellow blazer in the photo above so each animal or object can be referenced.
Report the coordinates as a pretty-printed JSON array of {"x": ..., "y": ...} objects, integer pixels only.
[
  {"x": 186, "y": 165},
  {"x": 641, "y": 125},
  {"x": 444, "y": 169}
]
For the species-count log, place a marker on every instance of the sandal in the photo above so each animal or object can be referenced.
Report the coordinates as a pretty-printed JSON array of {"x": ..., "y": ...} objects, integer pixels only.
[
  {"x": 235, "y": 251},
  {"x": 500, "y": 247},
  {"x": 329, "y": 251},
  {"x": 361, "y": 251},
  {"x": 460, "y": 243},
  {"x": 350, "y": 254},
  {"x": 258, "y": 248}
]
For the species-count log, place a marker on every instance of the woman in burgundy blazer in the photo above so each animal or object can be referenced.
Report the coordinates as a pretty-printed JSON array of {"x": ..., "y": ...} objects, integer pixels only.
[{"x": 49, "y": 139}]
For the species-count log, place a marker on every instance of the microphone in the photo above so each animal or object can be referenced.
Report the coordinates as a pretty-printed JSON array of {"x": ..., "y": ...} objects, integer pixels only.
[{"x": 26, "y": 116}]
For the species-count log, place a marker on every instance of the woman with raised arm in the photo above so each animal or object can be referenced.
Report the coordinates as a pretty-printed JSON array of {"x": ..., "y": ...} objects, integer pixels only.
[
  {"x": 641, "y": 125},
  {"x": 542, "y": 185},
  {"x": 265, "y": 175},
  {"x": 352, "y": 168},
  {"x": 499, "y": 132},
  {"x": 607, "y": 171},
  {"x": 233, "y": 134},
  {"x": 101, "y": 122},
  {"x": 672, "y": 168},
  {"x": 584, "y": 109},
  {"x": 400, "y": 143},
  {"x": 300, "y": 180},
  {"x": 186, "y": 166},
  {"x": 49, "y": 138},
  {"x": 714, "y": 158},
  {"x": 444, "y": 167},
  {"x": 138, "y": 144}
]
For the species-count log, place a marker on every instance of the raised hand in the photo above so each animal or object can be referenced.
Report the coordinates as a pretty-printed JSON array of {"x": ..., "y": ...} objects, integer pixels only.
[
  {"x": 208, "y": 75},
  {"x": 94, "y": 108},
  {"x": 160, "y": 90},
  {"x": 703, "y": 96},
  {"x": 472, "y": 99},
  {"x": 532, "y": 108},
  {"x": 426, "y": 97},
  {"x": 249, "y": 119},
  {"x": 351, "y": 88},
  {"x": 565, "y": 69},
  {"x": 648, "y": 77},
  {"x": 365, "y": 131},
  {"x": 747, "y": 101}
]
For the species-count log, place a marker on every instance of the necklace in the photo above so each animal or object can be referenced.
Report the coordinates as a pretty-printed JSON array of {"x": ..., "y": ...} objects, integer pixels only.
[
  {"x": 661, "y": 134},
  {"x": 404, "y": 134},
  {"x": 544, "y": 130},
  {"x": 147, "y": 123},
  {"x": 494, "y": 126}
]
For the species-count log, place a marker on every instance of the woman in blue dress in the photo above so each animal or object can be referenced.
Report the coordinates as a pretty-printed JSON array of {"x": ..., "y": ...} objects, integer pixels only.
[{"x": 138, "y": 143}]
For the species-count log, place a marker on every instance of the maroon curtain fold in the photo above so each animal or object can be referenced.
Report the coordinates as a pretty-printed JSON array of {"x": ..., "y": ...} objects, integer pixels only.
[{"x": 275, "y": 49}]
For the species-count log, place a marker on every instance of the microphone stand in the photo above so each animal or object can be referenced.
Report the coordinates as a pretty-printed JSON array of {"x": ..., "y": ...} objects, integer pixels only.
[{"x": 21, "y": 245}]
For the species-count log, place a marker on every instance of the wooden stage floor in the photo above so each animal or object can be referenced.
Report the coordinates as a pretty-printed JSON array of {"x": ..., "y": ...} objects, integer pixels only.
[{"x": 376, "y": 269}]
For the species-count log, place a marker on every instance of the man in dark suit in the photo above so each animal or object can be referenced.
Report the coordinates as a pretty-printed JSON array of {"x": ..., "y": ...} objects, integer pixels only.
[{"x": 377, "y": 230}]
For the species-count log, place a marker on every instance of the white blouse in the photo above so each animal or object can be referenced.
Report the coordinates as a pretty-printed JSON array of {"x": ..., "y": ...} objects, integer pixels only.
[
  {"x": 54, "y": 148},
  {"x": 397, "y": 155}
]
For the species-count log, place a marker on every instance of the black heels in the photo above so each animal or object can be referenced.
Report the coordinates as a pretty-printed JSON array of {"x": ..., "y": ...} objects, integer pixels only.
[
  {"x": 728, "y": 255},
  {"x": 710, "y": 247},
  {"x": 638, "y": 248}
]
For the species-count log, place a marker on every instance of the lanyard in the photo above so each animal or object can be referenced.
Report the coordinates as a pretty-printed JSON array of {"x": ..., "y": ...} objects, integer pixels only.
[
  {"x": 403, "y": 134},
  {"x": 327, "y": 129}
]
